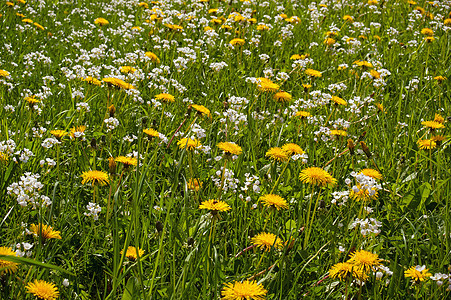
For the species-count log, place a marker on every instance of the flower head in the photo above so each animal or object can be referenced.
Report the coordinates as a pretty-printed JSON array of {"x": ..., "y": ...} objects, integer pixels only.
[
  {"x": 427, "y": 144},
  {"x": 132, "y": 253},
  {"x": 202, "y": 110},
  {"x": 266, "y": 85},
  {"x": 313, "y": 73},
  {"x": 302, "y": 114},
  {"x": 44, "y": 231},
  {"x": 427, "y": 31},
  {"x": 317, "y": 176},
  {"x": 292, "y": 148},
  {"x": 127, "y": 161},
  {"x": 267, "y": 240},
  {"x": 274, "y": 201},
  {"x": 282, "y": 97},
  {"x": 277, "y": 153},
  {"x": 4, "y": 73},
  {"x": 95, "y": 177},
  {"x": 5, "y": 265},
  {"x": 101, "y": 21},
  {"x": 194, "y": 184},
  {"x": 189, "y": 144},
  {"x": 371, "y": 173},
  {"x": 32, "y": 100},
  {"x": 58, "y": 133},
  {"x": 339, "y": 101},
  {"x": 119, "y": 83},
  {"x": 151, "y": 132},
  {"x": 418, "y": 273},
  {"x": 365, "y": 261},
  {"x": 237, "y": 42},
  {"x": 153, "y": 57},
  {"x": 127, "y": 69},
  {"x": 43, "y": 290},
  {"x": 245, "y": 290},
  {"x": 230, "y": 148},
  {"x": 346, "y": 270},
  {"x": 214, "y": 206},
  {"x": 164, "y": 97},
  {"x": 432, "y": 124}
]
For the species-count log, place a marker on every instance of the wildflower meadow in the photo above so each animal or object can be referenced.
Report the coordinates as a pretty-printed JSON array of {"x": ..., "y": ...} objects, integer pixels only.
[{"x": 225, "y": 149}]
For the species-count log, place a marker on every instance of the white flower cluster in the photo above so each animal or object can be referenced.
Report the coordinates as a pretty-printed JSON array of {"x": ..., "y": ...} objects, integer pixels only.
[
  {"x": 218, "y": 66},
  {"x": 23, "y": 249},
  {"x": 340, "y": 198},
  {"x": 440, "y": 278},
  {"x": 7, "y": 147},
  {"x": 27, "y": 191},
  {"x": 229, "y": 183},
  {"x": 366, "y": 184},
  {"x": 367, "y": 226},
  {"x": 251, "y": 180},
  {"x": 24, "y": 155},
  {"x": 94, "y": 210},
  {"x": 83, "y": 106},
  {"x": 49, "y": 142},
  {"x": 111, "y": 123}
]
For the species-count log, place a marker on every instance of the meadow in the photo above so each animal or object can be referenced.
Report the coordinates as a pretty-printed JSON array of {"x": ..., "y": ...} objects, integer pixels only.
[{"x": 241, "y": 149}]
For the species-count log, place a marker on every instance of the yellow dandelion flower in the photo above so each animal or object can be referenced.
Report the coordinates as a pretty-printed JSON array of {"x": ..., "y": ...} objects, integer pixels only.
[
  {"x": 371, "y": 173},
  {"x": 132, "y": 253},
  {"x": 277, "y": 153},
  {"x": 418, "y": 273},
  {"x": 440, "y": 78},
  {"x": 39, "y": 26},
  {"x": 274, "y": 201},
  {"x": 447, "y": 22},
  {"x": 143, "y": 4},
  {"x": 119, "y": 83},
  {"x": 266, "y": 85},
  {"x": 127, "y": 161},
  {"x": 439, "y": 138},
  {"x": 164, "y": 97},
  {"x": 348, "y": 18},
  {"x": 29, "y": 21},
  {"x": 215, "y": 205},
  {"x": 4, "y": 157},
  {"x": 245, "y": 290},
  {"x": 230, "y": 148},
  {"x": 43, "y": 289},
  {"x": 194, "y": 184},
  {"x": 337, "y": 132},
  {"x": 7, "y": 266},
  {"x": 313, "y": 73},
  {"x": 153, "y": 57},
  {"x": 32, "y": 100},
  {"x": 292, "y": 149},
  {"x": 101, "y": 21},
  {"x": 76, "y": 132},
  {"x": 282, "y": 97},
  {"x": 95, "y": 177},
  {"x": 427, "y": 144},
  {"x": 237, "y": 42},
  {"x": 127, "y": 69},
  {"x": 44, "y": 231},
  {"x": 427, "y": 31},
  {"x": 189, "y": 144},
  {"x": 432, "y": 124},
  {"x": 317, "y": 176},
  {"x": 365, "y": 261},
  {"x": 202, "y": 110},
  {"x": 58, "y": 133},
  {"x": 303, "y": 114},
  {"x": 262, "y": 27},
  {"x": 429, "y": 39},
  {"x": 438, "y": 118},
  {"x": 151, "y": 133},
  {"x": 266, "y": 241},
  {"x": 363, "y": 64},
  {"x": 4, "y": 73},
  {"x": 345, "y": 271},
  {"x": 329, "y": 41},
  {"x": 92, "y": 80},
  {"x": 375, "y": 74}
]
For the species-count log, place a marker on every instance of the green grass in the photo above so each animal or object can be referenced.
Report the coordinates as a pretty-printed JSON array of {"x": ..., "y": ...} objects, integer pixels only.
[{"x": 189, "y": 253}]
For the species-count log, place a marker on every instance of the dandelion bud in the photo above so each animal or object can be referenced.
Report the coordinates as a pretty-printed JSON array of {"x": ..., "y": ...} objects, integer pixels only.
[
  {"x": 365, "y": 149},
  {"x": 93, "y": 143},
  {"x": 351, "y": 146},
  {"x": 111, "y": 110},
  {"x": 190, "y": 241},
  {"x": 112, "y": 165},
  {"x": 159, "y": 226}
]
